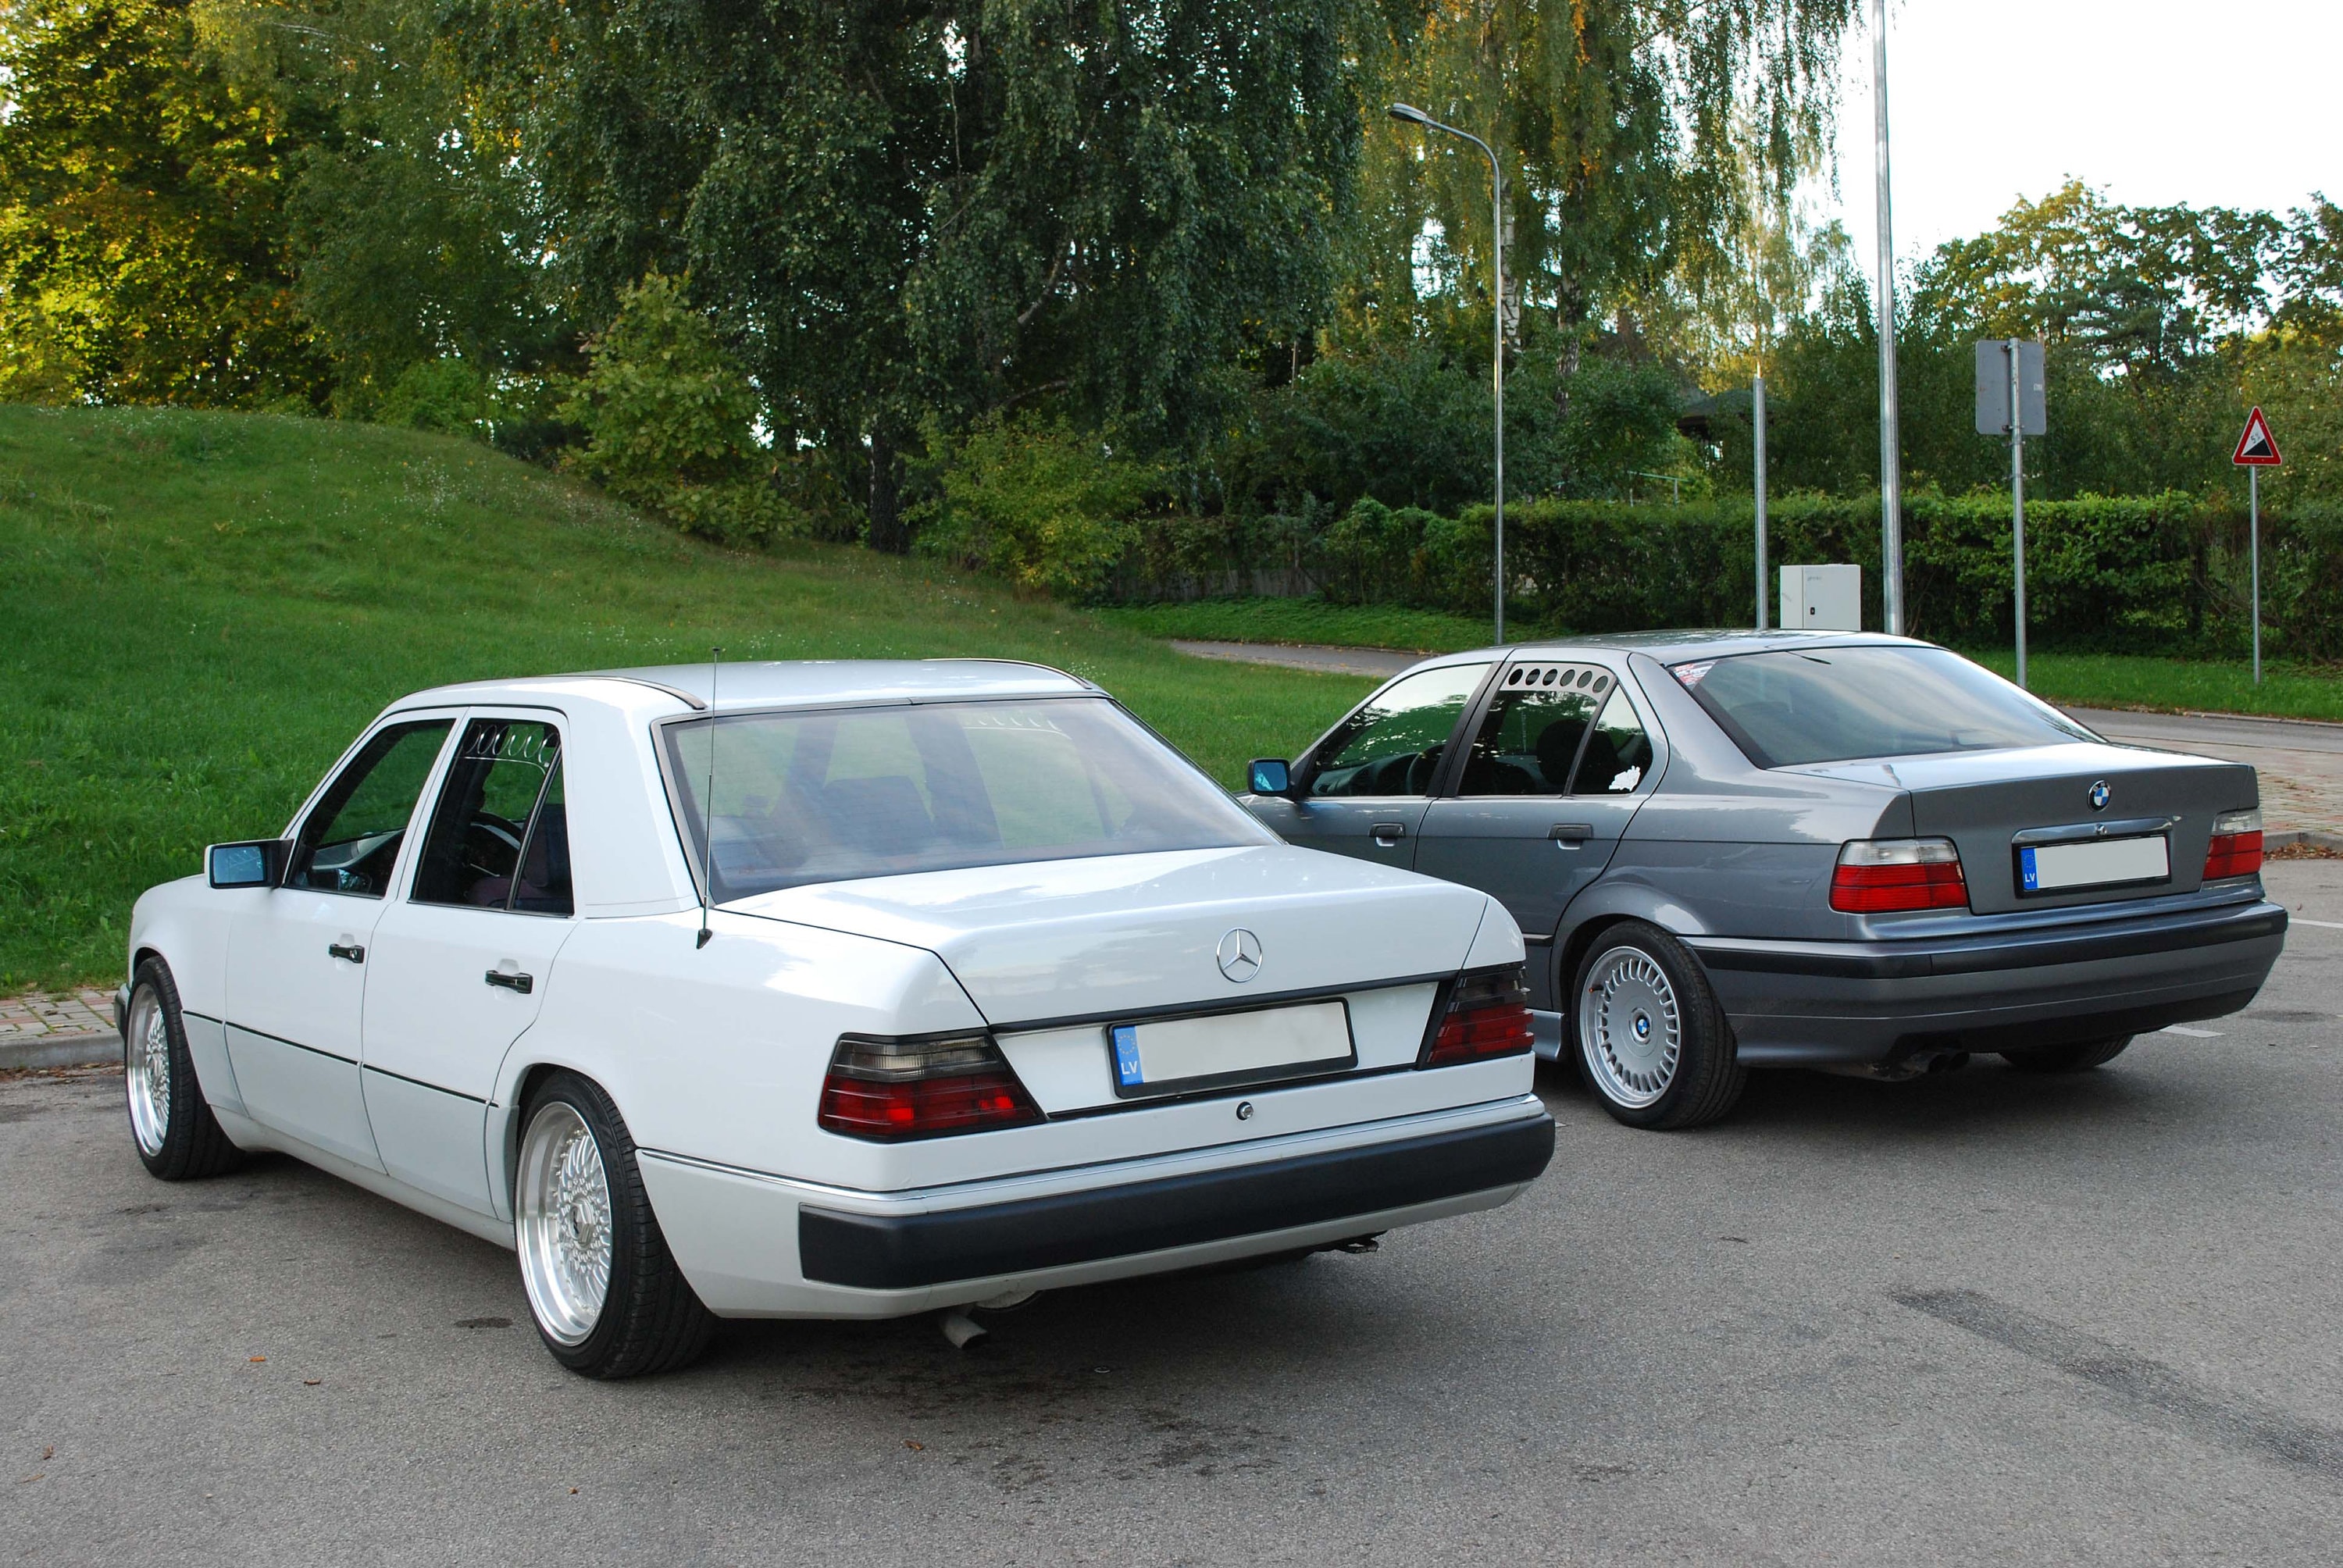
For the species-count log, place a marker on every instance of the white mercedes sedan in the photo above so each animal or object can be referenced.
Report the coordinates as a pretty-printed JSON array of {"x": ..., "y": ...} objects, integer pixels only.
[{"x": 829, "y": 990}]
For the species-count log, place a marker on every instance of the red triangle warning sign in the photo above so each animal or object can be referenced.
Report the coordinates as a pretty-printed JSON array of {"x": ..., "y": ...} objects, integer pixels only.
[{"x": 2255, "y": 447}]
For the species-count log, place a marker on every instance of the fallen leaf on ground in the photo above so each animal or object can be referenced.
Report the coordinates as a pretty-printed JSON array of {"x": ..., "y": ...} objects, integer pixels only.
[
  {"x": 258, "y": 1360},
  {"x": 311, "y": 1382},
  {"x": 915, "y": 1447}
]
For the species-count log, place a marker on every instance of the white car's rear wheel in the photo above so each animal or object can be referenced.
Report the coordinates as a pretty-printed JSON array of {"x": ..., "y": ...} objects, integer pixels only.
[
  {"x": 171, "y": 1123},
  {"x": 606, "y": 1296}
]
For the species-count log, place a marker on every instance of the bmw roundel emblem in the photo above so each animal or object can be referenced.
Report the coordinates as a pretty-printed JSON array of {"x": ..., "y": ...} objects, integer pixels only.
[
  {"x": 1240, "y": 955},
  {"x": 2100, "y": 796}
]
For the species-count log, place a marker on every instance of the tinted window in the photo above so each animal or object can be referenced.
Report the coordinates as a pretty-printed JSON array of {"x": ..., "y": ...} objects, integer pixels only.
[
  {"x": 1392, "y": 744},
  {"x": 1838, "y": 704},
  {"x": 1531, "y": 733},
  {"x": 494, "y": 789},
  {"x": 1618, "y": 753},
  {"x": 874, "y": 792},
  {"x": 351, "y": 841}
]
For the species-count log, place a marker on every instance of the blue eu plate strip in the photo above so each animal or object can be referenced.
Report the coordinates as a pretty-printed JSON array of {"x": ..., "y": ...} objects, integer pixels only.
[
  {"x": 1127, "y": 1070},
  {"x": 2026, "y": 869}
]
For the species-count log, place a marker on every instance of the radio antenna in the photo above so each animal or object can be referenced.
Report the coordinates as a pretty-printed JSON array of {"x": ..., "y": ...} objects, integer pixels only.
[{"x": 708, "y": 805}]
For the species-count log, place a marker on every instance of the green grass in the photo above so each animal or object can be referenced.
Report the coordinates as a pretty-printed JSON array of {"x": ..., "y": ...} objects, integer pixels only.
[
  {"x": 2084, "y": 679},
  {"x": 198, "y": 611},
  {"x": 2206, "y": 686}
]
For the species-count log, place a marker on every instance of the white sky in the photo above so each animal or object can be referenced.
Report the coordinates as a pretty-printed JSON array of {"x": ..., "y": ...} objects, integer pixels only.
[{"x": 2151, "y": 101}]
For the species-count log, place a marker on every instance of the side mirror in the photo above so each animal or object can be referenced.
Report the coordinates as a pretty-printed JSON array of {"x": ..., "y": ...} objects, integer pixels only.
[
  {"x": 1269, "y": 776},
  {"x": 258, "y": 864}
]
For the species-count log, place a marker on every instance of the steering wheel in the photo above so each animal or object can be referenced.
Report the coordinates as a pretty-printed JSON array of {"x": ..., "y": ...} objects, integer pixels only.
[{"x": 491, "y": 845}]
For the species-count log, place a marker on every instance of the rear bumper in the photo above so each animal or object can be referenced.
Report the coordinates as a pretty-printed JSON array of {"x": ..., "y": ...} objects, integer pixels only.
[
  {"x": 895, "y": 1252},
  {"x": 763, "y": 1246},
  {"x": 1893, "y": 1006}
]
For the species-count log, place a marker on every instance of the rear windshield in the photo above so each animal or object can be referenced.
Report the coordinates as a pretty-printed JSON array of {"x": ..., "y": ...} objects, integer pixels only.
[
  {"x": 1840, "y": 704},
  {"x": 830, "y": 797}
]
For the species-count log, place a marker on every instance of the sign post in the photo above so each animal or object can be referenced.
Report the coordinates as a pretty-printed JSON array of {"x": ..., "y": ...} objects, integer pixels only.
[
  {"x": 2010, "y": 401},
  {"x": 2256, "y": 451}
]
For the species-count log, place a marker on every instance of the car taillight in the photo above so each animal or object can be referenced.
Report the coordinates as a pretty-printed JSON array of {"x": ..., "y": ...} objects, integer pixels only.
[
  {"x": 1488, "y": 1015},
  {"x": 1876, "y": 875},
  {"x": 2237, "y": 846},
  {"x": 892, "y": 1089}
]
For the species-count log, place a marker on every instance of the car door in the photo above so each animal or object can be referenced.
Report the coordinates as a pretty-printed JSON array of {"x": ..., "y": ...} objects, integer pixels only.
[
  {"x": 1559, "y": 761},
  {"x": 297, "y": 957},
  {"x": 1362, "y": 789},
  {"x": 459, "y": 965}
]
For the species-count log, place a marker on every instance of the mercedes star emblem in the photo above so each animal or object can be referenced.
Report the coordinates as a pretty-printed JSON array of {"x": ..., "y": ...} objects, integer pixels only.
[
  {"x": 1240, "y": 955},
  {"x": 2100, "y": 796}
]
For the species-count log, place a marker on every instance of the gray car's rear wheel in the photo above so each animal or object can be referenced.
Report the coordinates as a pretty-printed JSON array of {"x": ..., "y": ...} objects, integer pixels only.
[
  {"x": 1651, "y": 1040},
  {"x": 171, "y": 1123},
  {"x": 2080, "y": 1057},
  {"x": 606, "y": 1294}
]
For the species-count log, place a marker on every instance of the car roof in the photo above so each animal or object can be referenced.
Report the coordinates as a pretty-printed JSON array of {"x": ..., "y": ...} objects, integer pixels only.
[
  {"x": 1679, "y": 646},
  {"x": 782, "y": 683}
]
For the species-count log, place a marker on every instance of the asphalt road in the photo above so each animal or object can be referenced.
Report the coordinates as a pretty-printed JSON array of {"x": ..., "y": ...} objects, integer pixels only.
[
  {"x": 2300, "y": 764},
  {"x": 1982, "y": 1317}
]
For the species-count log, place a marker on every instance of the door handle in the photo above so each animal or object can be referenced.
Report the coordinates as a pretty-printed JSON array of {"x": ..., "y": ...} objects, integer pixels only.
[
  {"x": 349, "y": 951},
  {"x": 521, "y": 983},
  {"x": 1570, "y": 834},
  {"x": 1387, "y": 834}
]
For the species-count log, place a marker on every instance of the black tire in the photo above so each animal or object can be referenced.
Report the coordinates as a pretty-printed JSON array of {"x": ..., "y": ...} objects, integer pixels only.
[
  {"x": 171, "y": 1124},
  {"x": 2080, "y": 1057},
  {"x": 1706, "y": 1078},
  {"x": 651, "y": 1320}
]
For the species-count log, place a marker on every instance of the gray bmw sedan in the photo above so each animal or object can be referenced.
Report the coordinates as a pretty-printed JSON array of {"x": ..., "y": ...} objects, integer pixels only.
[{"x": 1838, "y": 850}]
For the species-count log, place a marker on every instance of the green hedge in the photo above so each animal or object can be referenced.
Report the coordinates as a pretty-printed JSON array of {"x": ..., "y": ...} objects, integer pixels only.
[{"x": 2164, "y": 574}]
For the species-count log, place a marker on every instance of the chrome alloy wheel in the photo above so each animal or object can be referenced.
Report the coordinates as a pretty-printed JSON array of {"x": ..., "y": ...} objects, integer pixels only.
[
  {"x": 562, "y": 1200},
  {"x": 146, "y": 1069},
  {"x": 1629, "y": 1030}
]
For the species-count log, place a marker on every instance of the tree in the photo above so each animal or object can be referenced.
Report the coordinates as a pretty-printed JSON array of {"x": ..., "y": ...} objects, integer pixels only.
[
  {"x": 1637, "y": 137},
  {"x": 898, "y": 210},
  {"x": 144, "y": 252}
]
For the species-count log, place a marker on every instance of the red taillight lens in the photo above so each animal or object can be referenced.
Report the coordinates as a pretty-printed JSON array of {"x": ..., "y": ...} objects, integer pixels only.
[
  {"x": 2236, "y": 849},
  {"x": 892, "y": 1089},
  {"x": 1488, "y": 1015},
  {"x": 1876, "y": 875}
]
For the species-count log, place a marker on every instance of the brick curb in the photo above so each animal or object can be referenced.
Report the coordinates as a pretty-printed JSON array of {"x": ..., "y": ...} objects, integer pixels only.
[
  {"x": 2287, "y": 838},
  {"x": 62, "y": 1050}
]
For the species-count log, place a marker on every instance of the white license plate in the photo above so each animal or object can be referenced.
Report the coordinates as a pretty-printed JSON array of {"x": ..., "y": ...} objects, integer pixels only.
[
  {"x": 1169, "y": 1056},
  {"x": 2099, "y": 863}
]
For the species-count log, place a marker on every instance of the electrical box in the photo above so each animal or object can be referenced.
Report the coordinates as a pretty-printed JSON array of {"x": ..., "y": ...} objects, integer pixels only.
[{"x": 1821, "y": 598}]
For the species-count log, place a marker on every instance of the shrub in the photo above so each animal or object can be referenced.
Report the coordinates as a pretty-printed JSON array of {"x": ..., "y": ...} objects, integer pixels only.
[
  {"x": 670, "y": 420},
  {"x": 1036, "y": 502}
]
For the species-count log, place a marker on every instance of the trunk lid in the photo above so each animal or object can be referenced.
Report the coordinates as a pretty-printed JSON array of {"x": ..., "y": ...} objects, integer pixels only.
[
  {"x": 1985, "y": 800},
  {"x": 1125, "y": 935}
]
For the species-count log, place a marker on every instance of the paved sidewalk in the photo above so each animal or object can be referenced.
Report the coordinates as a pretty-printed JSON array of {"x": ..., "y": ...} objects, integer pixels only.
[
  {"x": 41, "y": 1028},
  {"x": 2301, "y": 763}
]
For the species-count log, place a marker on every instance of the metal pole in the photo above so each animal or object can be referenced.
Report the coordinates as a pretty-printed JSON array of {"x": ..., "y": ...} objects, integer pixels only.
[
  {"x": 1497, "y": 362},
  {"x": 1891, "y": 465},
  {"x": 2254, "y": 491},
  {"x": 1757, "y": 421},
  {"x": 1411, "y": 114},
  {"x": 2018, "y": 501}
]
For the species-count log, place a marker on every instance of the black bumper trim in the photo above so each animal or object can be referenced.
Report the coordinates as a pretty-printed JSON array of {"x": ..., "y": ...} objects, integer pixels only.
[
  {"x": 896, "y": 1253},
  {"x": 1979, "y": 955}
]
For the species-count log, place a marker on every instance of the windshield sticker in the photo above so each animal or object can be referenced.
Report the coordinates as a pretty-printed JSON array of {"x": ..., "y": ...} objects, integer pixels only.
[{"x": 1688, "y": 675}]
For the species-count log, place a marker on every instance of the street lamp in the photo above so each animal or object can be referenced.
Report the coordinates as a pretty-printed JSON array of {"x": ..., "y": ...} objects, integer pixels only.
[{"x": 1413, "y": 115}]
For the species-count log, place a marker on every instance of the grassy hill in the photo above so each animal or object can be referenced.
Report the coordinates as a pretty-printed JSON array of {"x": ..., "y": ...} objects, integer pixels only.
[{"x": 198, "y": 611}]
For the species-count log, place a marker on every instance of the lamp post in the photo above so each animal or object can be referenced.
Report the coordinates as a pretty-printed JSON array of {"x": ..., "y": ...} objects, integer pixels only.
[
  {"x": 1415, "y": 117},
  {"x": 1891, "y": 448}
]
